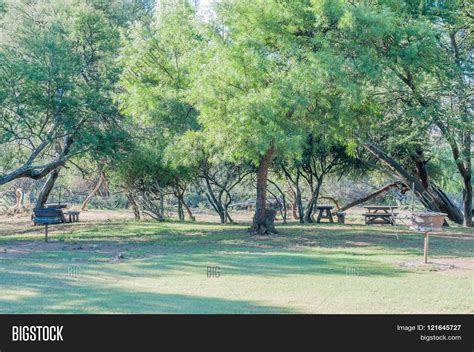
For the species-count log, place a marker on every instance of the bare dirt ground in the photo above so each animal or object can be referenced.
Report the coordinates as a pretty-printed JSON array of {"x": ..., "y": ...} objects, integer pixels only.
[
  {"x": 9, "y": 225},
  {"x": 440, "y": 264}
]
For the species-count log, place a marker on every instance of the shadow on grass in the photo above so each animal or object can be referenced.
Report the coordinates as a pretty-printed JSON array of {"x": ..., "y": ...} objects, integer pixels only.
[
  {"x": 29, "y": 289},
  {"x": 35, "y": 280},
  {"x": 395, "y": 239},
  {"x": 271, "y": 265}
]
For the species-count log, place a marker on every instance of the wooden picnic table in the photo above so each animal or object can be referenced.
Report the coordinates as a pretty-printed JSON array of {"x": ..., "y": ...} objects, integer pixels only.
[
  {"x": 73, "y": 215},
  {"x": 324, "y": 213},
  {"x": 380, "y": 214}
]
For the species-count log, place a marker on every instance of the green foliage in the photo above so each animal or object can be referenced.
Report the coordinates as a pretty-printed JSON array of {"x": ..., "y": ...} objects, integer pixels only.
[
  {"x": 170, "y": 95},
  {"x": 156, "y": 71},
  {"x": 57, "y": 74}
]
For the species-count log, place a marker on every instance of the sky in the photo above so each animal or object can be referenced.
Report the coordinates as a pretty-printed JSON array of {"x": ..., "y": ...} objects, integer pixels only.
[{"x": 204, "y": 6}]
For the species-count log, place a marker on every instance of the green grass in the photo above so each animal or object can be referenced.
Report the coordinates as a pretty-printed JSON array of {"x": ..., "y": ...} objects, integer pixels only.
[{"x": 303, "y": 269}]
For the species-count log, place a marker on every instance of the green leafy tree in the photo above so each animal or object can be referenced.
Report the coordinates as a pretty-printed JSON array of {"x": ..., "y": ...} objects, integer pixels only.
[
  {"x": 215, "y": 178},
  {"x": 395, "y": 50},
  {"x": 57, "y": 75},
  {"x": 156, "y": 58}
]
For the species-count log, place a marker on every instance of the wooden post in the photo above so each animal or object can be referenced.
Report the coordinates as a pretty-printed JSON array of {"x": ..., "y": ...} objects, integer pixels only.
[
  {"x": 46, "y": 232},
  {"x": 425, "y": 250}
]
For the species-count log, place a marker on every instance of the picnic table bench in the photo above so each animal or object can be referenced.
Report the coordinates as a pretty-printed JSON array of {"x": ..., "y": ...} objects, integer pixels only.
[
  {"x": 380, "y": 214},
  {"x": 73, "y": 215},
  {"x": 50, "y": 216}
]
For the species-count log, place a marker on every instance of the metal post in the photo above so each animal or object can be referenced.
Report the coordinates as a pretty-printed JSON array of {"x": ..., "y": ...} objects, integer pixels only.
[
  {"x": 46, "y": 232},
  {"x": 425, "y": 250}
]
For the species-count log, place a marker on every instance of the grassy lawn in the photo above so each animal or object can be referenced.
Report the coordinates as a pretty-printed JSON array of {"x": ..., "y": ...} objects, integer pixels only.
[{"x": 304, "y": 269}]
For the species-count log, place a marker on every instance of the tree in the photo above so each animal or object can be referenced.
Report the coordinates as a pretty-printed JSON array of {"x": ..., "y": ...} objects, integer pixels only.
[
  {"x": 215, "y": 178},
  {"x": 243, "y": 85},
  {"x": 320, "y": 157},
  {"x": 143, "y": 177},
  {"x": 394, "y": 50},
  {"x": 455, "y": 119},
  {"x": 56, "y": 78},
  {"x": 101, "y": 181},
  {"x": 156, "y": 57}
]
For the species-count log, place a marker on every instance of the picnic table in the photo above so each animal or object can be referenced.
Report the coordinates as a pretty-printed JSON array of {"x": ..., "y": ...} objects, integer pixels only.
[
  {"x": 324, "y": 213},
  {"x": 380, "y": 214},
  {"x": 73, "y": 215}
]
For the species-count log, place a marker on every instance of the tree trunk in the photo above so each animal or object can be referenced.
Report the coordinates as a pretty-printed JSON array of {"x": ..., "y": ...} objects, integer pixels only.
[
  {"x": 180, "y": 209},
  {"x": 94, "y": 191},
  {"x": 227, "y": 203},
  {"x": 229, "y": 220},
  {"x": 465, "y": 164},
  {"x": 47, "y": 187},
  {"x": 467, "y": 176},
  {"x": 134, "y": 204},
  {"x": 308, "y": 215},
  {"x": 162, "y": 205},
  {"x": 283, "y": 200},
  {"x": 298, "y": 212},
  {"x": 190, "y": 214},
  {"x": 293, "y": 205},
  {"x": 36, "y": 172},
  {"x": 464, "y": 168},
  {"x": 432, "y": 197},
  {"x": 216, "y": 203},
  {"x": 468, "y": 203},
  {"x": 263, "y": 219},
  {"x": 20, "y": 201}
]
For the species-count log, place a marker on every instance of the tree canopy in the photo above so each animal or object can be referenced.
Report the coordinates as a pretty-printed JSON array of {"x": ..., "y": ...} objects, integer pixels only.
[{"x": 296, "y": 91}]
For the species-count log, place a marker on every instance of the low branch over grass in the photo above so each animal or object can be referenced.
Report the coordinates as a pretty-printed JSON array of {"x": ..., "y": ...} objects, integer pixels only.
[{"x": 384, "y": 189}]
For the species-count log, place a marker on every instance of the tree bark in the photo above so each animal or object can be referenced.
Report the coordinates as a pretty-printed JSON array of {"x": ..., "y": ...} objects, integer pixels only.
[
  {"x": 47, "y": 188},
  {"x": 263, "y": 219},
  {"x": 190, "y": 214},
  {"x": 180, "y": 209},
  {"x": 134, "y": 204},
  {"x": 94, "y": 191},
  {"x": 227, "y": 203},
  {"x": 468, "y": 202},
  {"x": 283, "y": 200},
  {"x": 19, "y": 205},
  {"x": 293, "y": 205},
  {"x": 39, "y": 171},
  {"x": 215, "y": 203},
  {"x": 20, "y": 201},
  {"x": 299, "y": 205},
  {"x": 298, "y": 212},
  {"x": 308, "y": 214},
  {"x": 162, "y": 205}
]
